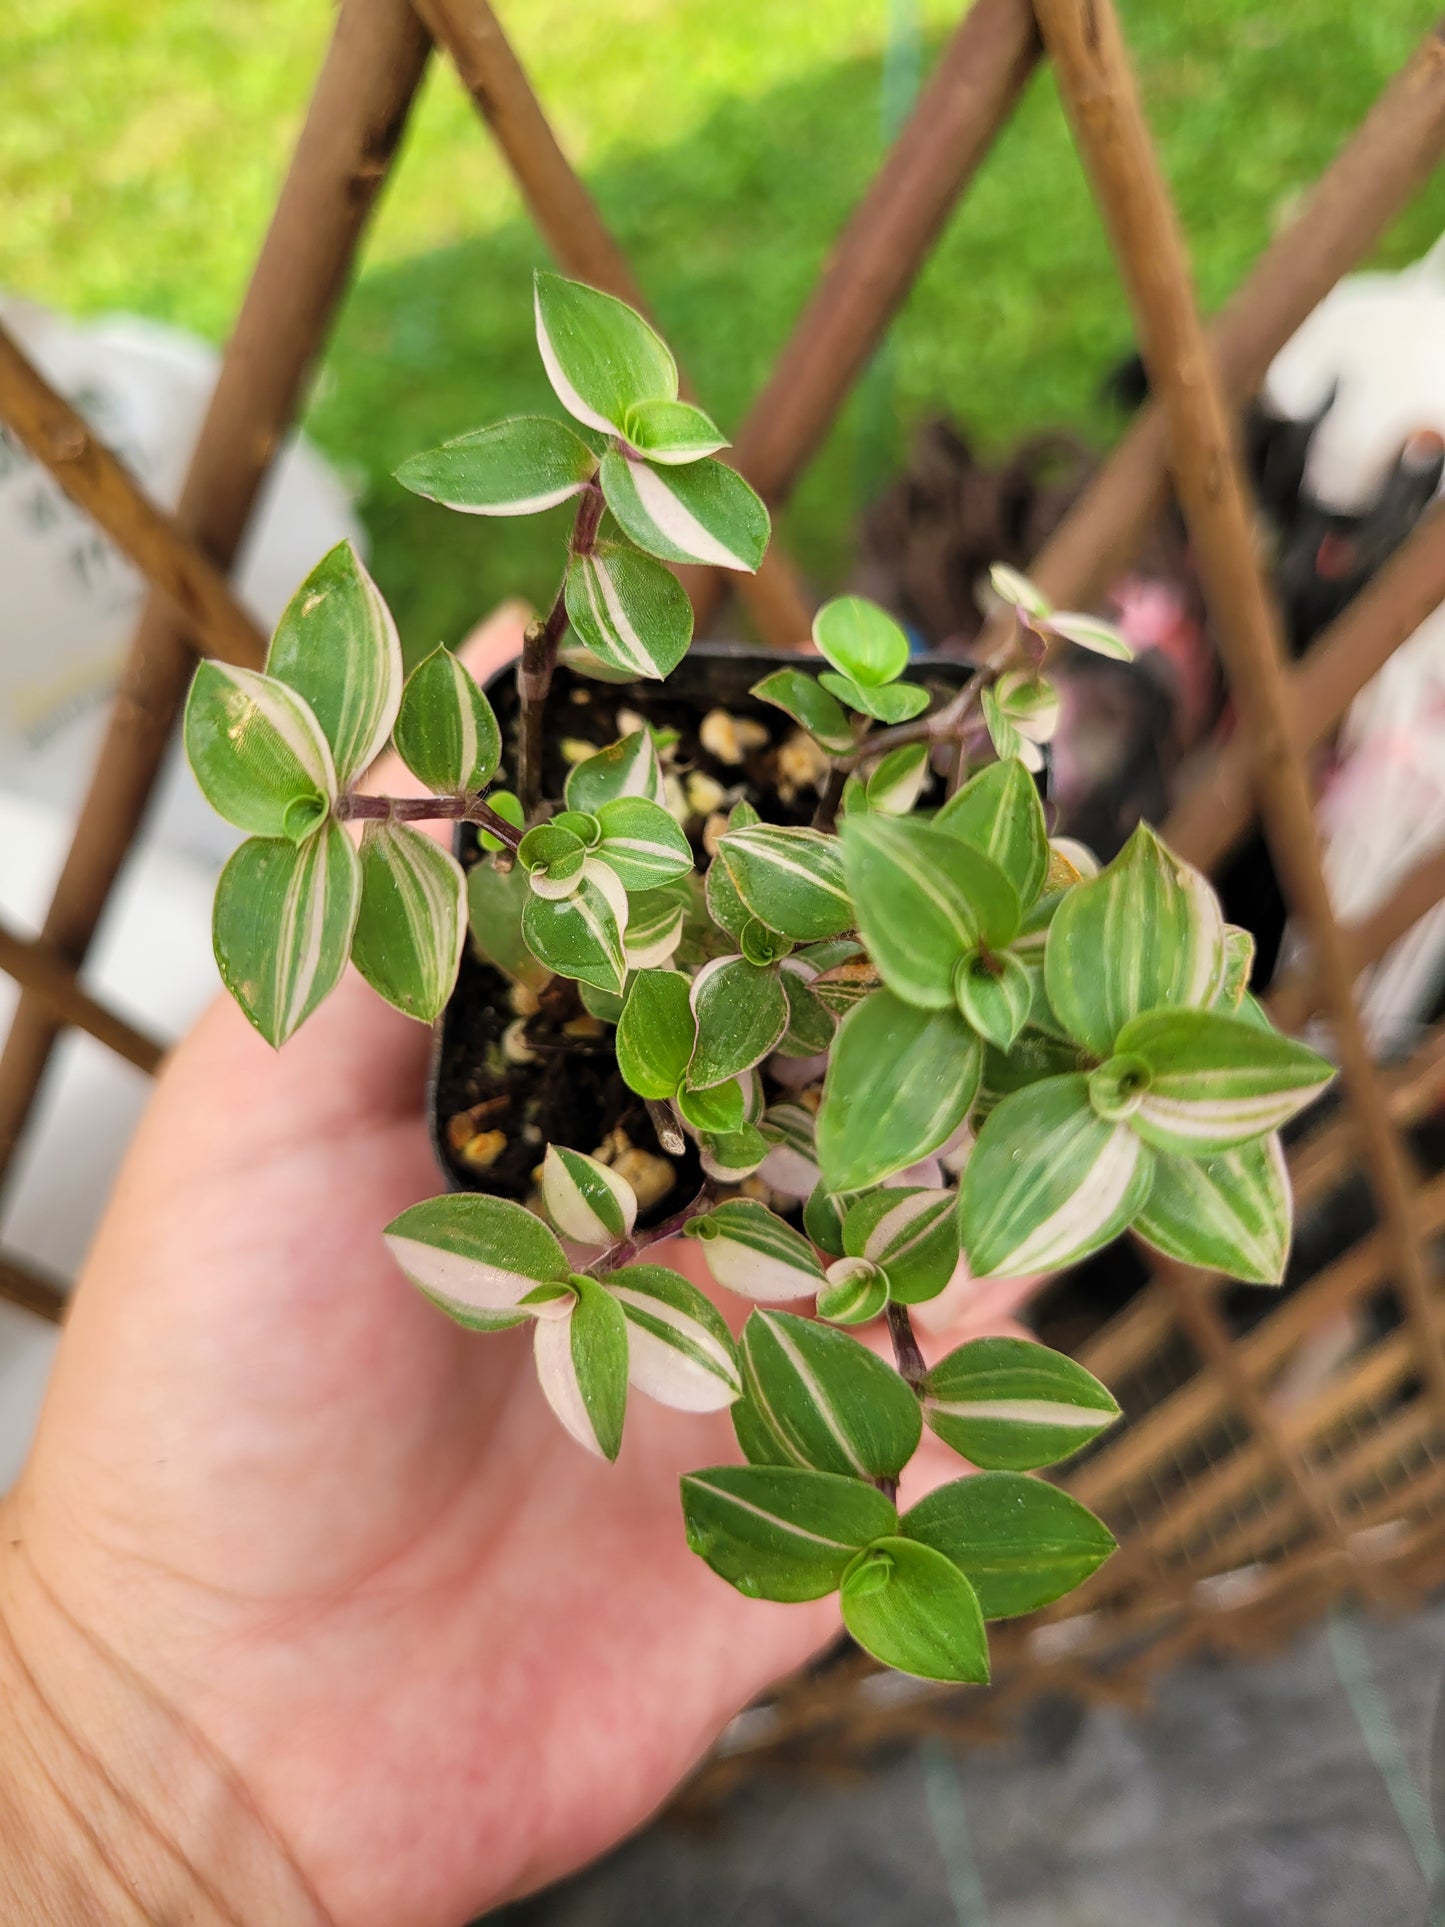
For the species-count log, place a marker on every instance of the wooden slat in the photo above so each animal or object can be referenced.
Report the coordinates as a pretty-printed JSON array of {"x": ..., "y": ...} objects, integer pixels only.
[
  {"x": 1297, "y": 997},
  {"x": 356, "y": 117},
  {"x": 39, "y": 967},
  {"x": 32, "y": 1290}
]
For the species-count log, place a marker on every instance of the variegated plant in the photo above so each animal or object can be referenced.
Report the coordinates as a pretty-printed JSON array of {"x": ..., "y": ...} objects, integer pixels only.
[{"x": 912, "y": 1041}]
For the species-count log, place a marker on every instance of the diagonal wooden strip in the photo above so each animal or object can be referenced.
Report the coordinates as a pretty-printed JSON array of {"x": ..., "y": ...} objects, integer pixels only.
[
  {"x": 1297, "y": 997},
  {"x": 98, "y": 482},
  {"x": 32, "y": 1290},
  {"x": 39, "y": 967},
  {"x": 357, "y": 114}
]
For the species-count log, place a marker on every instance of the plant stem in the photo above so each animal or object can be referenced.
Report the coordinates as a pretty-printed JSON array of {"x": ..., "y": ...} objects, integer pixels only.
[
  {"x": 539, "y": 658},
  {"x": 427, "y": 809},
  {"x": 908, "y": 1357},
  {"x": 629, "y": 1249},
  {"x": 943, "y": 725}
]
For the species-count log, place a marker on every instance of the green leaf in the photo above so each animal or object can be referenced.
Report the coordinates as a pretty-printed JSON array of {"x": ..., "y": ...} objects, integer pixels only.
[
  {"x": 823, "y": 1216},
  {"x": 604, "y": 1005},
  {"x": 626, "y": 768},
  {"x": 779, "y": 1532},
  {"x": 792, "y": 1156},
  {"x": 811, "y": 1025},
  {"x": 1008, "y": 744},
  {"x": 258, "y": 753},
  {"x": 1011, "y": 1405},
  {"x": 717, "y": 1111},
  {"x": 413, "y": 919},
  {"x": 629, "y": 611},
  {"x": 1238, "y": 967},
  {"x": 999, "y": 812},
  {"x": 1216, "y": 1081},
  {"x": 681, "y": 1353},
  {"x": 1143, "y": 933},
  {"x": 900, "y": 1082},
  {"x": 600, "y": 355},
  {"x": 515, "y": 467},
  {"x": 1092, "y": 633},
  {"x": 790, "y": 879},
  {"x": 654, "y": 928},
  {"x": 553, "y": 857},
  {"x": 580, "y": 936},
  {"x": 856, "y": 1292},
  {"x": 702, "y": 513},
  {"x": 655, "y": 1033},
  {"x": 726, "y": 908},
  {"x": 830, "y": 1402},
  {"x": 730, "y": 1156},
  {"x": 281, "y": 926},
  {"x": 1020, "y": 1543},
  {"x": 582, "y": 1360},
  {"x": 1015, "y": 588},
  {"x": 752, "y": 1252},
  {"x": 672, "y": 431},
  {"x": 1048, "y": 1181},
  {"x": 741, "y": 1012},
  {"x": 509, "y": 808},
  {"x": 1228, "y": 1213},
  {"x": 477, "y": 1257},
  {"x": 912, "y": 1233},
  {"x": 641, "y": 844},
  {"x": 802, "y": 697},
  {"x": 755, "y": 1441},
  {"x": 995, "y": 993},
  {"x": 897, "y": 780},
  {"x": 446, "y": 732},
  {"x": 915, "y": 1611},
  {"x": 897, "y": 702},
  {"x": 588, "y": 1202},
  {"x": 495, "y": 902},
  {"x": 923, "y": 900},
  {"x": 336, "y": 646},
  {"x": 1031, "y": 703},
  {"x": 862, "y": 641}
]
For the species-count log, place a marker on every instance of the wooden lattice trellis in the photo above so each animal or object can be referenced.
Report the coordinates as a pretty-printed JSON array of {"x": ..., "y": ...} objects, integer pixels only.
[{"x": 1240, "y": 1509}]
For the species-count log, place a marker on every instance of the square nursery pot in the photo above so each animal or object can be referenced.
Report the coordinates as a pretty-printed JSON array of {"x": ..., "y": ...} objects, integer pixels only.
[{"x": 492, "y": 1117}]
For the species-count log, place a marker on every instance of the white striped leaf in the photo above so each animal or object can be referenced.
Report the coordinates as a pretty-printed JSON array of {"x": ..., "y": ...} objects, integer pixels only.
[
  {"x": 702, "y": 513},
  {"x": 337, "y": 647},
  {"x": 1238, "y": 967},
  {"x": 1008, "y": 1404},
  {"x": 515, "y": 467},
  {"x": 860, "y": 640},
  {"x": 790, "y": 879},
  {"x": 1092, "y": 633},
  {"x": 281, "y": 925},
  {"x": 446, "y": 732},
  {"x": 582, "y": 1363},
  {"x": 752, "y": 1252},
  {"x": 554, "y": 857},
  {"x": 894, "y": 702},
  {"x": 587, "y": 1201},
  {"x": 1020, "y": 1542},
  {"x": 756, "y": 1442},
  {"x": 823, "y": 1217},
  {"x": 791, "y": 1164},
  {"x": 900, "y": 1082},
  {"x": 856, "y": 1292},
  {"x": 1008, "y": 745},
  {"x": 1031, "y": 703},
  {"x": 1215, "y": 1081},
  {"x": 913, "y": 1610},
  {"x": 413, "y": 919},
  {"x": 626, "y": 768},
  {"x": 911, "y": 1233},
  {"x": 923, "y": 900},
  {"x": 258, "y": 753},
  {"x": 580, "y": 936},
  {"x": 998, "y": 811},
  {"x": 655, "y": 1033},
  {"x": 641, "y": 844},
  {"x": 1228, "y": 1213},
  {"x": 828, "y": 1401},
  {"x": 741, "y": 1012},
  {"x": 1146, "y": 932},
  {"x": 803, "y": 697},
  {"x": 477, "y": 1257},
  {"x": 672, "y": 432},
  {"x": 811, "y": 1025},
  {"x": 730, "y": 1156},
  {"x": 896, "y": 783},
  {"x": 780, "y": 1532},
  {"x": 760, "y": 945},
  {"x": 495, "y": 902},
  {"x": 839, "y": 987},
  {"x": 655, "y": 920},
  {"x": 679, "y": 1350},
  {"x": 1015, "y": 588},
  {"x": 1048, "y": 1181},
  {"x": 601, "y": 357},
  {"x": 628, "y": 611},
  {"x": 995, "y": 994}
]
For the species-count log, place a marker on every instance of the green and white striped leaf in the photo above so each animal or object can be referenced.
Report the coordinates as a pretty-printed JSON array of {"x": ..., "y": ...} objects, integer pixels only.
[
  {"x": 477, "y": 1257},
  {"x": 779, "y": 1532},
  {"x": 1015, "y": 588},
  {"x": 915, "y": 1611},
  {"x": 862, "y": 641},
  {"x": 496, "y": 900},
  {"x": 554, "y": 858},
  {"x": 790, "y": 879},
  {"x": 258, "y": 753},
  {"x": 702, "y": 513},
  {"x": 672, "y": 432},
  {"x": 629, "y": 611},
  {"x": 995, "y": 995},
  {"x": 446, "y": 732},
  {"x": 336, "y": 646},
  {"x": 923, "y": 900},
  {"x": 515, "y": 467},
  {"x": 626, "y": 768},
  {"x": 1216, "y": 1081},
  {"x": 730, "y": 1156},
  {"x": 601, "y": 357},
  {"x": 803, "y": 697},
  {"x": 839, "y": 987},
  {"x": 580, "y": 936},
  {"x": 896, "y": 783},
  {"x": 680, "y": 1351},
  {"x": 1008, "y": 1404},
  {"x": 587, "y": 1201},
  {"x": 1048, "y": 1181},
  {"x": 1031, "y": 703},
  {"x": 823, "y": 1217},
  {"x": 641, "y": 844},
  {"x": 741, "y": 1013},
  {"x": 1228, "y": 1213},
  {"x": 856, "y": 1292},
  {"x": 791, "y": 1166},
  {"x": 281, "y": 926},
  {"x": 1092, "y": 633},
  {"x": 752, "y": 1252},
  {"x": 655, "y": 1033},
  {"x": 1238, "y": 967},
  {"x": 911, "y": 1233},
  {"x": 726, "y": 908},
  {"x": 811, "y": 1025},
  {"x": 998, "y": 811},
  {"x": 894, "y": 702},
  {"x": 1144, "y": 933},
  {"x": 1020, "y": 1543},
  {"x": 413, "y": 919},
  {"x": 715, "y": 1112},
  {"x": 581, "y": 1353},
  {"x": 1008, "y": 743},
  {"x": 654, "y": 928},
  {"x": 830, "y": 1402},
  {"x": 900, "y": 1082}
]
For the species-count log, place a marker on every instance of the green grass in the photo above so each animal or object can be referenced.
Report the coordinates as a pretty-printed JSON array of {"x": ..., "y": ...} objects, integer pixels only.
[{"x": 141, "y": 150}]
